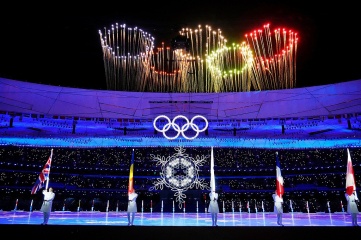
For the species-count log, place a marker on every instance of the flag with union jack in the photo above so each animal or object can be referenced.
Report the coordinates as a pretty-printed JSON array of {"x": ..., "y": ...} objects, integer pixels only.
[
  {"x": 279, "y": 178},
  {"x": 43, "y": 176}
]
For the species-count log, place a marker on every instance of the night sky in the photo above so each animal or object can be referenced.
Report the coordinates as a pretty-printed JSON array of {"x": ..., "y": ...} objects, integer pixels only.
[{"x": 60, "y": 44}]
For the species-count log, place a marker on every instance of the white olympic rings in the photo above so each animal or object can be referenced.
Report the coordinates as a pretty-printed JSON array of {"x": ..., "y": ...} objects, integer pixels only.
[{"x": 180, "y": 129}]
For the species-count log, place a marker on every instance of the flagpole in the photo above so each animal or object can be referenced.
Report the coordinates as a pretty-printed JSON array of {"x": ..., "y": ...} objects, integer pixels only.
[
  {"x": 31, "y": 205},
  {"x": 213, "y": 180},
  {"x": 47, "y": 180}
]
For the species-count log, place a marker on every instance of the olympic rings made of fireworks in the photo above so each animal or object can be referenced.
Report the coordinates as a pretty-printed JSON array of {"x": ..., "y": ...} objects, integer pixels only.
[{"x": 180, "y": 129}]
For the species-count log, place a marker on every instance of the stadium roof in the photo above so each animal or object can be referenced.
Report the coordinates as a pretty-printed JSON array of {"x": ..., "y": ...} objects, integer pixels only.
[{"x": 293, "y": 114}]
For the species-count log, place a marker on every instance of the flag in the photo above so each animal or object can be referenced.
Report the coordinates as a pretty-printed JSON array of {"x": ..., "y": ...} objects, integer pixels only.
[
  {"x": 213, "y": 180},
  {"x": 279, "y": 178},
  {"x": 131, "y": 181},
  {"x": 350, "y": 177},
  {"x": 43, "y": 176}
]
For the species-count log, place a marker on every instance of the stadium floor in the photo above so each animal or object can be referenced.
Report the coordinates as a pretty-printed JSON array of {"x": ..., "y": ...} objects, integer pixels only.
[{"x": 155, "y": 225}]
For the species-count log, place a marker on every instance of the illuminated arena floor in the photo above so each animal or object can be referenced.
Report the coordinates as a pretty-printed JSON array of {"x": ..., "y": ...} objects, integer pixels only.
[
  {"x": 176, "y": 219},
  {"x": 157, "y": 225}
]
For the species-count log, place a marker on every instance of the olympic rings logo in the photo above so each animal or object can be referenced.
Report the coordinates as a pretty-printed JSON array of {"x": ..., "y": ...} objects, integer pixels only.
[{"x": 180, "y": 129}]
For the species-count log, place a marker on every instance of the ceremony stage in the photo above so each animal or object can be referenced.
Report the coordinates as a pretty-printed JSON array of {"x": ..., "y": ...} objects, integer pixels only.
[{"x": 158, "y": 225}]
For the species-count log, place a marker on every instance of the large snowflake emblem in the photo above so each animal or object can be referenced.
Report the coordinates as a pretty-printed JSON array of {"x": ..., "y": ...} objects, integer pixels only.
[{"x": 179, "y": 173}]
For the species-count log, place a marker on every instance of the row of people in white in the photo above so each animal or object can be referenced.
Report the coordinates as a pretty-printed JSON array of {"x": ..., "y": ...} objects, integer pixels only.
[{"x": 352, "y": 208}]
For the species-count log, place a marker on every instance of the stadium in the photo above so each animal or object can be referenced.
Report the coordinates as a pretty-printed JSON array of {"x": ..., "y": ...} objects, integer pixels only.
[{"x": 170, "y": 100}]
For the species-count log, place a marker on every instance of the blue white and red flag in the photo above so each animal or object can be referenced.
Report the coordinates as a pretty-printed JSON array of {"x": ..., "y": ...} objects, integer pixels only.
[{"x": 43, "y": 176}]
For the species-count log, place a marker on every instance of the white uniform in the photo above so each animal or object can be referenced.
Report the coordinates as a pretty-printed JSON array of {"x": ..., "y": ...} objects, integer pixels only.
[
  {"x": 213, "y": 207},
  {"x": 132, "y": 204},
  {"x": 48, "y": 201},
  {"x": 47, "y": 205},
  {"x": 352, "y": 207},
  {"x": 278, "y": 207},
  {"x": 213, "y": 204},
  {"x": 351, "y": 203}
]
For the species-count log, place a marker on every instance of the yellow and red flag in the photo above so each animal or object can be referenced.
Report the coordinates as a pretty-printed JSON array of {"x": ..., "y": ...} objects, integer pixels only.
[{"x": 131, "y": 180}]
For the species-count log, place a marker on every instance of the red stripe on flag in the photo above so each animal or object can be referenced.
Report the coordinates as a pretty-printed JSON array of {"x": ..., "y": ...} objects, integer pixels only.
[
  {"x": 131, "y": 170},
  {"x": 350, "y": 176}
]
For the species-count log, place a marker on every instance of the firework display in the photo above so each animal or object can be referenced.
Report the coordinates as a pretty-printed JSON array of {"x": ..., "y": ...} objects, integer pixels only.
[{"x": 200, "y": 61}]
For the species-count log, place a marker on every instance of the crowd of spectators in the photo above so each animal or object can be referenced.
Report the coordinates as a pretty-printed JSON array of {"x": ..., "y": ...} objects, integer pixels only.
[{"x": 97, "y": 178}]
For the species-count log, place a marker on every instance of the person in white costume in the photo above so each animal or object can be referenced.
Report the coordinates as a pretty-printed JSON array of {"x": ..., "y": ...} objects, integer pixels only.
[
  {"x": 278, "y": 207},
  {"x": 213, "y": 196},
  {"x": 132, "y": 207},
  {"x": 352, "y": 208},
  {"x": 213, "y": 207},
  {"x": 47, "y": 204}
]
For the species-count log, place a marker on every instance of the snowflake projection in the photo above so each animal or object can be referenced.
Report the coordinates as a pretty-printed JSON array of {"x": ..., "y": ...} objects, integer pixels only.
[{"x": 179, "y": 173}]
